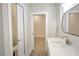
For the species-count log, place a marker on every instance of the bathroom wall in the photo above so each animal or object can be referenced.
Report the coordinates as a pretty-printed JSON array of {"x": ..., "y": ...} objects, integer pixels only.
[
  {"x": 58, "y": 12},
  {"x": 39, "y": 25},
  {"x": 7, "y": 30},
  {"x": 51, "y": 11},
  {"x": 1, "y": 33}
]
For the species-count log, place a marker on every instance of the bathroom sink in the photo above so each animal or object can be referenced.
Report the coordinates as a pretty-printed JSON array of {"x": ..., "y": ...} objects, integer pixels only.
[{"x": 57, "y": 47}]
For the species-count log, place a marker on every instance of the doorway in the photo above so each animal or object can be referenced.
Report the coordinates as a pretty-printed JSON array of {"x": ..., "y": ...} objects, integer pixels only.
[
  {"x": 17, "y": 15},
  {"x": 39, "y": 24}
]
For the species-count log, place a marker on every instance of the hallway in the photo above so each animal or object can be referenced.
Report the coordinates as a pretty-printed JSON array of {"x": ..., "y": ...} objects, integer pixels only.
[{"x": 39, "y": 47}]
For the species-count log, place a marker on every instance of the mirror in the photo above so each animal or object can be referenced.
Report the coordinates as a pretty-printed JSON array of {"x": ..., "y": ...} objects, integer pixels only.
[{"x": 70, "y": 21}]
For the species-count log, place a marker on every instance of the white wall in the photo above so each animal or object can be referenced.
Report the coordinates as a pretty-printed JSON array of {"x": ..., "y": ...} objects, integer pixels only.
[
  {"x": 1, "y": 33},
  {"x": 51, "y": 11},
  {"x": 58, "y": 19},
  {"x": 7, "y": 30},
  {"x": 67, "y": 6}
]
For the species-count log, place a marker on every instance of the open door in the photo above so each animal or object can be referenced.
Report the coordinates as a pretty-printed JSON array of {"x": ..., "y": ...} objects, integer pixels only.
[{"x": 20, "y": 28}]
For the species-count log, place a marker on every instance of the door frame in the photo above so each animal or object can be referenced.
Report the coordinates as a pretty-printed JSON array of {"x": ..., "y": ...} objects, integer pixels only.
[{"x": 32, "y": 26}]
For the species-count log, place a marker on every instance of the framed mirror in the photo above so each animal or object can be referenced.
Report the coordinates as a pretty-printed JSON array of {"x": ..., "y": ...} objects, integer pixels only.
[{"x": 70, "y": 21}]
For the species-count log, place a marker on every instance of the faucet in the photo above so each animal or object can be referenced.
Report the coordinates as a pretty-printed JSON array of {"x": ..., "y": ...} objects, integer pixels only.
[{"x": 68, "y": 42}]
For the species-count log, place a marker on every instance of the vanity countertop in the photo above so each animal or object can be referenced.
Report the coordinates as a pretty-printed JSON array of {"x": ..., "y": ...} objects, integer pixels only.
[{"x": 57, "y": 47}]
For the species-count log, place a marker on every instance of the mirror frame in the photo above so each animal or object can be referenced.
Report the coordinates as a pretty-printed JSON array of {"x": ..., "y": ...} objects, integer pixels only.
[{"x": 68, "y": 25}]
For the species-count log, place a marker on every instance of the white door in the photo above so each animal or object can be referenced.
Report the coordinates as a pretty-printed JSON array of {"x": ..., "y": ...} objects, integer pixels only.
[{"x": 20, "y": 18}]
